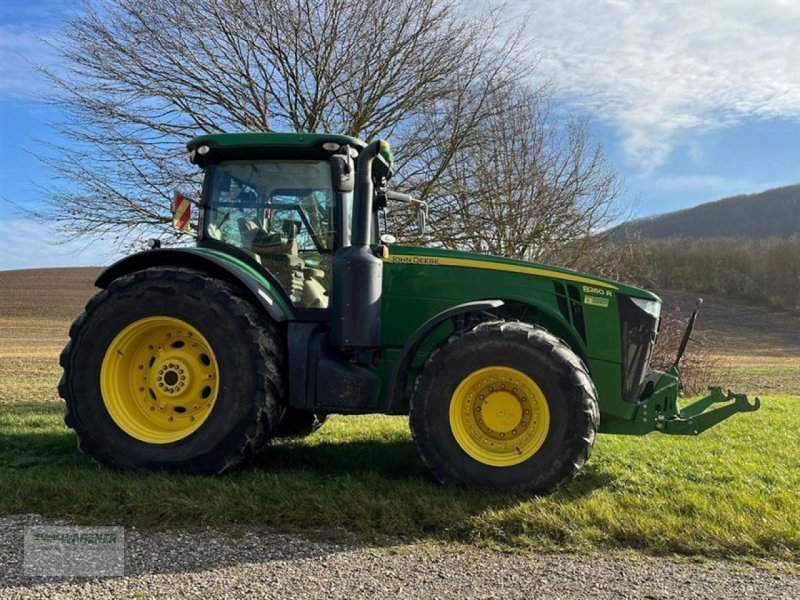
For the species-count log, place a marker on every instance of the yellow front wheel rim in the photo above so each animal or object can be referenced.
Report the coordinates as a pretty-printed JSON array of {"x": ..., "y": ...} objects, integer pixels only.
[
  {"x": 499, "y": 416},
  {"x": 159, "y": 379}
]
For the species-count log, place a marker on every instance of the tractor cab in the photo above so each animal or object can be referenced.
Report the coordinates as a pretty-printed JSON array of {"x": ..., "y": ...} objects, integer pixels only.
[
  {"x": 281, "y": 213},
  {"x": 283, "y": 200}
]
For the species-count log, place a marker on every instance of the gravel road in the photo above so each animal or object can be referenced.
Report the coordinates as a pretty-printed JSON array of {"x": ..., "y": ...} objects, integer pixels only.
[{"x": 213, "y": 564}]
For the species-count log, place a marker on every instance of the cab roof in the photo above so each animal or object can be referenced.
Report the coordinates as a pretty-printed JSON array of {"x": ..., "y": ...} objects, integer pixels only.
[{"x": 239, "y": 146}]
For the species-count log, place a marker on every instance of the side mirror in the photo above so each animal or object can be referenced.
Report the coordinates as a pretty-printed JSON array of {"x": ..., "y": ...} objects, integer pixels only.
[
  {"x": 181, "y": 209},
  {"x": 422, "y": 218},
  {"x": 422, "y": 206},
  {"x": 344, "y": 172}
]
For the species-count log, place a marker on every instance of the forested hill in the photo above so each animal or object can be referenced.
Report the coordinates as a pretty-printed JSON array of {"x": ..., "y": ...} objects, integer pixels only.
[{"x": 773, "y": 213}]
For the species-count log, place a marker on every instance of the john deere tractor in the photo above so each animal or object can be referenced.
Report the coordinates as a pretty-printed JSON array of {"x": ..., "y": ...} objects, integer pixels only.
[{"x": 294, "y": 305}]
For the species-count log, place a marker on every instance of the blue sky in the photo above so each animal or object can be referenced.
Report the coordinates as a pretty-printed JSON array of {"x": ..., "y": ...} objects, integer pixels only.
[{"x": 693, "y": 101}]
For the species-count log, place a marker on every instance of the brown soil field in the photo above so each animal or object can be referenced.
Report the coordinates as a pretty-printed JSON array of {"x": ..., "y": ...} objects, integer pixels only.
[
  {"x": 36, "y": 309},
  {"x": 733, "y": 327},
  {"x": 758, "y": 349}
]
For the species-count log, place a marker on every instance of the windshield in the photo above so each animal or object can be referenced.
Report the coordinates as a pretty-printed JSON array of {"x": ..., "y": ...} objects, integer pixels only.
[{"x": 282, "y": 214}]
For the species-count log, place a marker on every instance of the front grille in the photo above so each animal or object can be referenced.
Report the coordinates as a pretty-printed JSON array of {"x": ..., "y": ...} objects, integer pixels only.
[{"x": 638, "y": 330}]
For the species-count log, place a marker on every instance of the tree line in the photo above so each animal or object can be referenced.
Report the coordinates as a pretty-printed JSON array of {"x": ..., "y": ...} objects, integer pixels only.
[{"x": 765, "y": 271}]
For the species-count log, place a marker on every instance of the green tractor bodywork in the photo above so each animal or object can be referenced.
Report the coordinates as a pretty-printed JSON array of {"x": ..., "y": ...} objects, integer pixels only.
[{"x": 361, "y": 318}]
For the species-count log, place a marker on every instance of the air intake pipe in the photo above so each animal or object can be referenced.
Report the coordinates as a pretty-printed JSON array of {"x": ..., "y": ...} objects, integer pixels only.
[{"x": 357, "y": 273}]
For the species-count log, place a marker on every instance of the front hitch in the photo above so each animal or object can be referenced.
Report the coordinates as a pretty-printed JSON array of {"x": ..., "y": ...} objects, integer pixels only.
[
  {"x": 659, "y": 409},
  {"x": 695, "y": 418}
]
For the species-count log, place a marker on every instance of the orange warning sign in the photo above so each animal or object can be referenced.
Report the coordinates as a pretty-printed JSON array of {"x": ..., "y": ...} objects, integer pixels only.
[{"x": 181, "y": 211}]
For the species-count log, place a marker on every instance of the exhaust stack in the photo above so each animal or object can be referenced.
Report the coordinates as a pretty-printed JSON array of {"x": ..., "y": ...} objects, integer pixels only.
[{"x": 357, "y": 273}]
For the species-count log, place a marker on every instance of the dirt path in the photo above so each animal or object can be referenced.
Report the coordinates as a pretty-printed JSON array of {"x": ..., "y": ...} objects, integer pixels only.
[{"x": 216, "y": 565}]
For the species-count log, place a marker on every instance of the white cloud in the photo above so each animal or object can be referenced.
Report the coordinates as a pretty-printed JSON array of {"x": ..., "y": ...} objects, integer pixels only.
[
  {"x": 26, "y": 244},
  {"x": 28, "y": 31},
  {"x": 662, "y": 71},
  {"x": 22, "y": 49}
]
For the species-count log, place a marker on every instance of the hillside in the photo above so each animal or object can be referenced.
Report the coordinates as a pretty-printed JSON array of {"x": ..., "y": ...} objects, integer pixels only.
[{"x": 772, "y": 213}]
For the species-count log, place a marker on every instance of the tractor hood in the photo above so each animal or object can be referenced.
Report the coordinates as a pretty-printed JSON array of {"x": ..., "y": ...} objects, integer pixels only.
[{"x": 435, "y": 256}]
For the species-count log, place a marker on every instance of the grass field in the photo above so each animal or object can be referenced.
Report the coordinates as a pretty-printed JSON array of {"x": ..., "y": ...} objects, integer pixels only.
[{"x": 734, "y": 491}]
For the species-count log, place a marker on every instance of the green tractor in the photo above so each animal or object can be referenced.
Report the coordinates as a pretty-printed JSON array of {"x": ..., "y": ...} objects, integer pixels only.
[{"x": 293, "y": 306}]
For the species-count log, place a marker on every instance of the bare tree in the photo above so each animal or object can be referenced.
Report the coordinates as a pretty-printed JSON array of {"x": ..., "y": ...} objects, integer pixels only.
[
  {"x": 143, "y": 76},
  {"x": 521, "y": 183},
  {"x": 500, "y": 172}
]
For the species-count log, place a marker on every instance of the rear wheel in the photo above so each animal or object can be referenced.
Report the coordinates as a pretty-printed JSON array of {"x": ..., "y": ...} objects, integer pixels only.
[
  {"x": 171, "y": 370},
  {"x": 504, "y": 406}
]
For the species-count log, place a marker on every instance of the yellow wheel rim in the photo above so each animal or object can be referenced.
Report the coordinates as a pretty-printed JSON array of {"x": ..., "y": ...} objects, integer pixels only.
[
  {"x": 499, "y": 416},
  {"x": 159, "y": 380}
]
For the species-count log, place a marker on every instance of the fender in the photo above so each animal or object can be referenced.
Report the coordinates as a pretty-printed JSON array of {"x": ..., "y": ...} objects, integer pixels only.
[
  {"x": 397, "y": 378},
  {"x": 266, "y": 293}
]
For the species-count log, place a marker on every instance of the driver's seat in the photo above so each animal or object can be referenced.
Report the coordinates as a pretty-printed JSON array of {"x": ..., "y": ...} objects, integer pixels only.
[{"x": 280, "y": 256}]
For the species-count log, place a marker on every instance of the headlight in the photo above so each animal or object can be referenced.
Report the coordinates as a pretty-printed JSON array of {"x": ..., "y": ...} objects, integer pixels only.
[{"x": 651, "y": 307}]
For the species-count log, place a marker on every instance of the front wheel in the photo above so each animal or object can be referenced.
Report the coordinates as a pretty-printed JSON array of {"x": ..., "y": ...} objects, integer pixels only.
[
  {"x": 169, "y": 369},
  {"x": 504, "y": 406}
]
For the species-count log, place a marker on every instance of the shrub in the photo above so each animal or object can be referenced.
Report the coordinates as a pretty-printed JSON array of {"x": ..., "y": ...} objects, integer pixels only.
[{"x": 697, "y": 364}]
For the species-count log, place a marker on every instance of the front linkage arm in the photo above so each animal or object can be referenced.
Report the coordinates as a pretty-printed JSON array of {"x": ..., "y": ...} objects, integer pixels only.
[{"x": 660, "y": 410}]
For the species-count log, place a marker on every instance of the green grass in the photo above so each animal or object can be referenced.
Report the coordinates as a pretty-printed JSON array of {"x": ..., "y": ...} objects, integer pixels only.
[{"x": 734, "y": 491}]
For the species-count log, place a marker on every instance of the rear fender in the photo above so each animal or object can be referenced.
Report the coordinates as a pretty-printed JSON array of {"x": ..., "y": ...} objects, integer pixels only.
[{"x": 263, "y": 292}]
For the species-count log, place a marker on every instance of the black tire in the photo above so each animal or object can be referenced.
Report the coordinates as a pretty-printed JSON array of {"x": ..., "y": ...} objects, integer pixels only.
[
  {"x": 299, "y": 423},
  {"x": 563, "y": 378},
  {"x": 250, "y": 356}
]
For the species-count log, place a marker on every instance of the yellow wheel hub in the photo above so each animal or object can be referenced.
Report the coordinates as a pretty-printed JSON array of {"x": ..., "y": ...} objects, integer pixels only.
[
  {"x": 159, "y": 379},
  {"x": 499, "y": 416}
]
